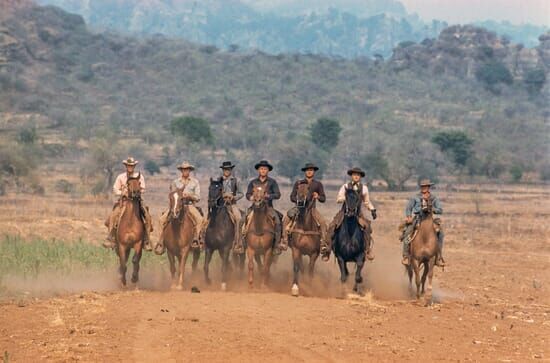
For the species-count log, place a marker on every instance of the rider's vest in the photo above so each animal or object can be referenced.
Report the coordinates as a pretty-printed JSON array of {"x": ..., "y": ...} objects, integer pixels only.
[{"x": 359, "y": 189}]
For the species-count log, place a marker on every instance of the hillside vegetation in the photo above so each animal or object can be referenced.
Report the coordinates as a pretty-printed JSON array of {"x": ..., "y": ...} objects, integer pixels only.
[{"x": 81, "y": 99}]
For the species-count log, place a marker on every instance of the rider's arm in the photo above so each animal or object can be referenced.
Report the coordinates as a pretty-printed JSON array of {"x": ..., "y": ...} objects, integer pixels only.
[
  {"x": 275, "y": 193},
  {"x": 142, "y": 183},
  {"x": 239, "y": 192},
  {"x": 118, "y": 186},
  {"x": 366, "y": 198},
  {"x": 409, "y": 209},
  {"x": 249, "y": 191},
  {"x": 321, "y": 192},
  {"x": 436, "y": 206},
  {"x": 195, "y": 193},
  {"x": 341, "y": 198},
  {"x": 293, "y": 195}
]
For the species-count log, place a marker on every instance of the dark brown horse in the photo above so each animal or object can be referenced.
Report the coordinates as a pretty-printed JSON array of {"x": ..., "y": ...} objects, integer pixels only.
[
  {"x": 131, "y": 230},
  {"x": 423, "y": 254},
  {"x": 177, "y": 237},
  {"x": 305, "y": 237},
  {"x": 260, "y": 237},
  {"x": 220, "y": 231}
]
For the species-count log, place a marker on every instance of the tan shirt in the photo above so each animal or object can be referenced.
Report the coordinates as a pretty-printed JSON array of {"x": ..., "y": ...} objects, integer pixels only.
[
  {"x": 341, "y": 198},
  {"x": 190, "y": 186},
  {"x": 121, "y": 185}
]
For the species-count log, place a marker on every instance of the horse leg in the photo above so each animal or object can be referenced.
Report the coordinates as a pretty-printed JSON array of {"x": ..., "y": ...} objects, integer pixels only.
[
  {"x": 430, "y": 265},
  {"x": 208, "y": 252},
  {"x": 424, "y": 274},
  {"x": 416, "y": 268},
  {"x": 268, "y": 255},
  {"x": 123, "y": 259},
  {"x": 251, "y": 255},
  {"x": 343, "y": 269},
  {"x": 258, "y": 260},
  {"x": 312, "y": 260},
  {"x": 358, "y": 269},
  {"x": 172, "y": 261},
  {"x": 138, "y": 250},
  {"x": 410, "y": 274},
  {"x": 196, "y": 256},
  {"x": 183, "y": 259},
  {"x": 296, "y": 256},
  {"x": 224, "y": 255}
]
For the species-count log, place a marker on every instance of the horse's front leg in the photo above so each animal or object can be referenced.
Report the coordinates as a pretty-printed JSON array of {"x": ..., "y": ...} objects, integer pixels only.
[
  {"x": 312, "y": 260},
  {"x": 268, "y": 256},
  {"x": 358, "y": 270},
  {"x": 224, "y": 255},
  {"x": 250, "y": 254},
  {"x": 123, "y": 259},
  {"x": 343, "y": 269},
  {"x": 416, "y": 269},
  {"x": 296, "y": 257},
  {"x": 207, "y": 258},
  {"x": 196, "y": 257},
  {"x": 172, "y": 261},
  {"x": 138, "y": 250},
  {"x": 183, "y": 260}
]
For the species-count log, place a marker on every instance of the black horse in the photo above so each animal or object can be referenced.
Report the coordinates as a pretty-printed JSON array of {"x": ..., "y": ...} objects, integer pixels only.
[
  {"x": 220, "y": 231},
  {"x": 349, "y": 243}
]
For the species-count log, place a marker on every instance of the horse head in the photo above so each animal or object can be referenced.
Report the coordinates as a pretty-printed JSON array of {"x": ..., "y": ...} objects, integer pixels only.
[
  {"x": 258, "y": 197},
  {"x": 134, "y": 187},
  {"x": 352, "y": 205},
  {"x": 215, "y": 193},
  {"x": 302, "y": 200},
  {"x": 176, "y": 203}
]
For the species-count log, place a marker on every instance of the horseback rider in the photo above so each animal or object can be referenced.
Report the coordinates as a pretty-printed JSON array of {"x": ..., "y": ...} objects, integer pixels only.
[
  {"x": 315, "y": 192},
  {"x": 272, "y": 193},
  {"x": 191, "y": 195},
  {"x": 120, "y": 190},
  {"x": 355, "y": 184},
  {"x": 423, "y": 202},
  {"x": 232, "y": 193}
]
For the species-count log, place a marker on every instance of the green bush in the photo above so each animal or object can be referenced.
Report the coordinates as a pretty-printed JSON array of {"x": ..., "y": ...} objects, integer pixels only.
[
  {"x": 152, "y": 167},
  {"x": 456, "y": 144},
  {"x": 534, "y": 81},
  {"x": 493, "y": 73},
  {"x": 325, "y": 133},
  {"x": 195, "y": 129},
  {"x": 27, "y": 135},
  {"x": 516, "y": 171},
  {"x": 64, "y": 186}
]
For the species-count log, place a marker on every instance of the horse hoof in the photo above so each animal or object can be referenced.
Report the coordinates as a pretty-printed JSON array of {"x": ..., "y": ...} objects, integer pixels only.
[
  {"x": 224, "y": 286},
  {"x": 295, "y": 290},
  {"x": 179, "y": 287}
]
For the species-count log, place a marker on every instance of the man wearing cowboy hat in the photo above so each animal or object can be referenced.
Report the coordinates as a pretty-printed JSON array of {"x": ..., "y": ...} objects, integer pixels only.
[
  {"x": 316, "y": 192},
  {"x": 120, "y": 189},
  {"x": 191, "y": 194},
  {"x": 231, "y": 194},
  {"x": 355, "y": 184},
  {"x": 272, "y": 193},
  {"x": 423, "y": 202}
]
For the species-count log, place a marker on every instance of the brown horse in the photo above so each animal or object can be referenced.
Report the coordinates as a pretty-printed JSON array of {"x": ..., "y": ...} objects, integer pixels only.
[
  {"x": 131, "y": 230},
  {"x": 177, "y": 237},
  {"x": 260, "y": 237},
  {"x": 305, "y": 237},
  {"x": 423, "y": 253}
]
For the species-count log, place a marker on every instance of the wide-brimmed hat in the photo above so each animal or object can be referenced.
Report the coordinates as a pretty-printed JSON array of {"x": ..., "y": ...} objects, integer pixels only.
[
  {"x": 130, "y": 161},
  {"x": 356, "y": 170},
  {"x": 426, "y": 183},
  {"x": 263, "y": 163},
  {"x": 310, "y": 166},
  {"x": 227, "y": 165},
  {"x": 186, "y": 165}
]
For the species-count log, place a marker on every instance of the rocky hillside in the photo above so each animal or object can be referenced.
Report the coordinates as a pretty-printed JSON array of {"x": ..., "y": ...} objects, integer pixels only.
[
  {"x": 355, "y": 28},
  {"x": 78, "y": 91}
]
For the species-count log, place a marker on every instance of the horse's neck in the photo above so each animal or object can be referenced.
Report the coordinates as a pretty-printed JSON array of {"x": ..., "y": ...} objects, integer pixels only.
[
  {"x": 131, "y": 210},
  {"x": 305, "y": 220},
  {"x": 260, "y": 218}
]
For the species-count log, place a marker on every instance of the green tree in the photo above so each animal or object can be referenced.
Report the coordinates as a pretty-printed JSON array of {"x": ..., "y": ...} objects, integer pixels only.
[
  {"x": 493, "y": 73},
  {"x": 456, "y": 145},
  {"x": 534, "y": 81},
  {"x": 517, "y": 172},
  {"x": 193, "y": 128},
  {"x": 325, "y": 133},
  {"x": 27, "y": 135},
  {"x": 152, "y": 167}
]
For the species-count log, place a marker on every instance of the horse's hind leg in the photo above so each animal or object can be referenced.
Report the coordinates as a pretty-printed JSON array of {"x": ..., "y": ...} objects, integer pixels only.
[
  {"x": 296, "y": 257},
  {"x": 123, "y": 259},
  {"x": 268, "y": 258},
  {"x": 207, "y": 258},
  {"x": 258, "y": 260},
  {"x": 196, "y": 257},
  {"x": 312, "y": 260},
  {"x": 135, "y": 261}
]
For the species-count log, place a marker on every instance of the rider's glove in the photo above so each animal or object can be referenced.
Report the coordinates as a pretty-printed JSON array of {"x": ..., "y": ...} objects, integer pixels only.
[{"x": 373, "y": 213}]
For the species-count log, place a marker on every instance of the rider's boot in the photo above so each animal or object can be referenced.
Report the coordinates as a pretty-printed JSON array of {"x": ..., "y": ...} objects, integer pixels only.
[
  {"x": 326, "y": 243},
  {"x": 147, "y": 242},
  {"x": 369, "y": 253},
  {"x": 405, "y": 261},
  {"x": 277, "y": 248},
  {"x": 159, "y": 248},
  {"x": 110, "y": 241}
]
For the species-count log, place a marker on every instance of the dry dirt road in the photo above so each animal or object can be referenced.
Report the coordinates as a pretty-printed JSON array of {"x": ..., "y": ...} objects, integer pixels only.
[{"x": 489, "y": 315}]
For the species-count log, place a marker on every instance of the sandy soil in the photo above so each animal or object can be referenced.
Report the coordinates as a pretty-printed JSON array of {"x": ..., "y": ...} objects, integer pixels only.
[{"x": 491, "y": 304}]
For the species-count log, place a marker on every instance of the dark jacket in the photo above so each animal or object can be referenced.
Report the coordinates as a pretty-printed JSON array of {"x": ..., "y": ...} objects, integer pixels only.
[
  {"x": 315, "y": 186},
  {"x": 272, "y": 188}
]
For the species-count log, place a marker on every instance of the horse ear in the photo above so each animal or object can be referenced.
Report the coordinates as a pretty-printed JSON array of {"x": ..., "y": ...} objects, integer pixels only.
[{"x": 211, "y": 180}]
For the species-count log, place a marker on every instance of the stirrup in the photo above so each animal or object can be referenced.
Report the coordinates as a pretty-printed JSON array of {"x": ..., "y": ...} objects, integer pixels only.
[{"x": 406, "y": 261}]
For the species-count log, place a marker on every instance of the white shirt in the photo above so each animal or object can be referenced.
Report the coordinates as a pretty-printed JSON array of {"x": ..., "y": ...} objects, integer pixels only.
[
  {"x": 121, "y": 183},
  {"x": 341, "y": 198}
]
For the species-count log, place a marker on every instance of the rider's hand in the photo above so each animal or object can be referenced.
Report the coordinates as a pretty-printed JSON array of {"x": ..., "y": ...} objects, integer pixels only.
[
  {"x": 409, "y": 219},
  {"x": 373, "y": 213},
  {"x": 267, "y": 197},
  {"x": 315, "y": 195}
]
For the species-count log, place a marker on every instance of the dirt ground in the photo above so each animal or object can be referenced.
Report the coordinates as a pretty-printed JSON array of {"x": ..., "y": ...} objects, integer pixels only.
[{"x": 492, "y": 303}]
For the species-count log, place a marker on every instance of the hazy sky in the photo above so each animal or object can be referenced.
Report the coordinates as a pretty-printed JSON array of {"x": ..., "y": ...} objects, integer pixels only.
[{"x": 453, "y": 11}]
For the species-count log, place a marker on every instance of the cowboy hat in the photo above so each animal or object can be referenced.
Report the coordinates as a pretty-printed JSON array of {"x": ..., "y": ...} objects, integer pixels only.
[
  {"x": 263, "y": 163},
  {"x": 310, "y": 166},
  {"x": 130, "y": 161},
  {"x": 425, "y": 183},
  {"x": 227, "y": 165},
  {"x": 186, "y": 165},
  {"x": 356, "y": 170}
]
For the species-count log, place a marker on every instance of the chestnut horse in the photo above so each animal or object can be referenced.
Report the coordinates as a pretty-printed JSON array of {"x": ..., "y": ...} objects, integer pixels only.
[
  {"x": 220, "y": 231},
  {"x": 177, "y": 237},
  {"x": 423, "y": 253},
  {"x": 260, "y": 236},
  {"x": 131, "y": 229},
  {"x": 305, "y": 236}
]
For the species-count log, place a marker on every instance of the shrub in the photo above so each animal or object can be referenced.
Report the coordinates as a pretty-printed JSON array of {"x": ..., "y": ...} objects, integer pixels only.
[
  {"x": 152, "y": 167},
  {"x": 64, "y": 186},
  {"x": 516, "y": 171},
  {"x": 493, "y": 73},
  {"x": 534, "y": 81},
  {"x": 455, "y": 144},
  {"x": 193, "y": 128},
  {"x": 27, "y": 135},
  {"x": 325, "y": 133}
]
